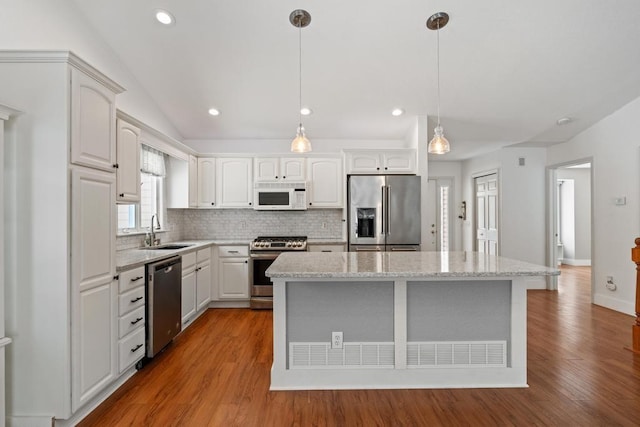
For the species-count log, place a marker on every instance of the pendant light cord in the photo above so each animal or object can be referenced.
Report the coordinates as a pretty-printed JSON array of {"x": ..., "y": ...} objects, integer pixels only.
[
  {"x": 300, "y": 71},
  {"x": 438, "y": 65}
]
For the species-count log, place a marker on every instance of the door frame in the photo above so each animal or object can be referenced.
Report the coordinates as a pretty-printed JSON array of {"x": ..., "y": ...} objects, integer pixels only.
[
  {"x": 551, "y": 220},
  {"x": 472, "y": 207}
]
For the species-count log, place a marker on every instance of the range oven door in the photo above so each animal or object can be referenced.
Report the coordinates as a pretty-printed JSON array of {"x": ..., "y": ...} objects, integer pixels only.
[{"x": 261, "y": 285}]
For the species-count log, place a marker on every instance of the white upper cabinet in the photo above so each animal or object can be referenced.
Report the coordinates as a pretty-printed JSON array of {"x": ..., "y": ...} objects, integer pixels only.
[
  {"x": 234, "y": 182},
  {"x": 400, "y": 161},
  {"x": 128, "y": 155},
  {"x": 93, "y": 123},
  {"x": 279, "y": 169},
  {"x": 326, "y": 182},
  {"x": 206, "y": 182}
]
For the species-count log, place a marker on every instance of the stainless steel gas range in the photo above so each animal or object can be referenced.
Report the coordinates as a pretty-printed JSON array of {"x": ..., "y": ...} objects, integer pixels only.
[{"x": 264, "y": 250}]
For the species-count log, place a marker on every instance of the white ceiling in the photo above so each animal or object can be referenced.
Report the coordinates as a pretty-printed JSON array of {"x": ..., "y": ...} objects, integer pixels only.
[{"x": 509, "y": 69}]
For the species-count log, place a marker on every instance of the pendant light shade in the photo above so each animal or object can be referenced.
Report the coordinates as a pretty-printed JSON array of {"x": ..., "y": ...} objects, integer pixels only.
[
  {"x": 439, "y": 144},
  {"x": 300, "y": 18},
  {"x": 300, "y": 143}
]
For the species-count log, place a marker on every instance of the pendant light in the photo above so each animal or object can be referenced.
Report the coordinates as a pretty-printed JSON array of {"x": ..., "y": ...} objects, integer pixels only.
[
  {"x": 439, "y": 144},
  {"x": 300, "y": 18}
]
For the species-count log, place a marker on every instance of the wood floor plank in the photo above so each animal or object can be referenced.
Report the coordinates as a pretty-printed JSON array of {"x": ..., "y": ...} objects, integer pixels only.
[{"x": 217, "y": 373}]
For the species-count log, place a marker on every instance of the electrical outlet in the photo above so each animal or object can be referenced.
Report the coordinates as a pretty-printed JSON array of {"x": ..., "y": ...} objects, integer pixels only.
[
  {"x": 610, "y": 285},
  {"x": 336, "y": 339},
  {"x": 324, "y": 225}
]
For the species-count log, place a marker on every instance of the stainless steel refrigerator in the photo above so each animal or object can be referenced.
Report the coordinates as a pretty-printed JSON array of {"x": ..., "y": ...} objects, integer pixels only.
[{"x": 384, "y": 212}]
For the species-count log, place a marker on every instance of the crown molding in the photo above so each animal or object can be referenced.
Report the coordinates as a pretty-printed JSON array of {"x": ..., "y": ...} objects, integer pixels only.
[{"x": 59, "y": 56}]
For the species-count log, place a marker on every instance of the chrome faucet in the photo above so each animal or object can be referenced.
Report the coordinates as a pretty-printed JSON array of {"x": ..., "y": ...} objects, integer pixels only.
[{"x": 152, "y": 229}]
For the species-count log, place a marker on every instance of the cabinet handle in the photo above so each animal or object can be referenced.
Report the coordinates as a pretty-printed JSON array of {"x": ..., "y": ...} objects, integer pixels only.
[
  {"x": 133, "y": 350},
  {"x": 116, "y": 277},
  {"x": 133, "y": 322},
  {"x": 115, "y": 166},
  {"x": 137, "y": 299},
  {"x": 234, "y": 252},
  {"x": 137, "y": 278},
  {"x": 121, "y": 195}
]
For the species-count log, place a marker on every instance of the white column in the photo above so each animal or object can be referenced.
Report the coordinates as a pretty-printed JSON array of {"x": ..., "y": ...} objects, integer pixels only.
[{"x": 5, "y": 114}]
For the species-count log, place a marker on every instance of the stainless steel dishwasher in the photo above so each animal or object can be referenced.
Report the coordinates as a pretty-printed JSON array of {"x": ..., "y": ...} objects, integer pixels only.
[{"x": 164, "y": 303}]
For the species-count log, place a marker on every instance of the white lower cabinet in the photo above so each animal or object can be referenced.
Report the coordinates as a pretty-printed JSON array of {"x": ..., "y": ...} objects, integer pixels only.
[
  {"x": 196, "y": 283},
  {"x": 131, "y": 320},
  {"x": 233, "y": 272}
]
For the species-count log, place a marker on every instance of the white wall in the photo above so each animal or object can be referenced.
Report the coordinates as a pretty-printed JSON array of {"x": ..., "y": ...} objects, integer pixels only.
[
  {"x": 59, "y": 25},
  {"x": 521, "y": 213},
  {"x": 613, "y": 144}
]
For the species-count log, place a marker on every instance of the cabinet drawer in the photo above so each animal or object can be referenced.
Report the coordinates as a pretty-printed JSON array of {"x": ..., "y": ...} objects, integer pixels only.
[
  {"x": 204, "y": 255},
  {"x": 131, "y": 278},
  {"x": 131, "y": 300},
  {"x": 188, "y": 261},
  {"x": 325, "y": 248},
  {"x": 131, "y": 349},
  {"x": 130, "y": 322},
  {"x": 233, "y": 251}
]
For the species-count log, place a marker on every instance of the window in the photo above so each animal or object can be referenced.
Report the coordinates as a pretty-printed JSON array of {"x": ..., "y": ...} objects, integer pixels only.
[{"x": 136, "y": 218}]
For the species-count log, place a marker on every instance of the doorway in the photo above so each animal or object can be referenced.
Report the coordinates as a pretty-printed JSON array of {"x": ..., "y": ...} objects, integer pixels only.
[
  {"x": 438, "y": 215},
  {"x": 570, "y": 245},
  {"x": 486, "y": 219}
]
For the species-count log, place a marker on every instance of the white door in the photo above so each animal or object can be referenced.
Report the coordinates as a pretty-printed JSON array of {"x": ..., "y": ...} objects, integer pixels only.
[
  {"x": 292, "y": 169},
  {"x": 94, "y": 317},
  {"x": 326, "y": 181},
  {"x": 193, "y": 181},
  {"x": 438, "y": 216},
  {"x": 266, "y": 169},
  {"x": 234, "y": 278},
  {"x": 188, "y": 296},
  {"x": 128, "y": 171},
  {"x": 203, "y": 283},
  {"x": 487, "y": 214},
  {"x": 206, "y": 182}
]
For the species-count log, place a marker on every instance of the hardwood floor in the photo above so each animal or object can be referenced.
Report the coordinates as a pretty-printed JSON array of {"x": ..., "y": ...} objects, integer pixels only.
[{"x": 216, "y": 373}]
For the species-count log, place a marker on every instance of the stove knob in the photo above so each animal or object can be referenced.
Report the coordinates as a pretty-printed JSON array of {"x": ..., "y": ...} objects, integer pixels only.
[{"x": 289, "y": 243}]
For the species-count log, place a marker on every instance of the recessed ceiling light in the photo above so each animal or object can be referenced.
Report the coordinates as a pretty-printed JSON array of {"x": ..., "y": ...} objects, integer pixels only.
[
  {"x": 564, "y": 121},
  {"x": 165, "y": 17},
  {"x": 397, "y": 112},
  {"x": 214, "y": 111},
  {"x": 305, "y": 111}
]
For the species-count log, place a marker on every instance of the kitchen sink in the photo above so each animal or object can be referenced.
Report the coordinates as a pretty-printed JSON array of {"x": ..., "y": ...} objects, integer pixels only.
[{"x": 168, "y": 246}]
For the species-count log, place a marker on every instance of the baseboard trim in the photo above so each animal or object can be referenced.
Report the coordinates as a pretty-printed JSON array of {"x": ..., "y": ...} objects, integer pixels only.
[
  {"x": 577, "y": 262},
  {"x": 229, "y": 304},
  {"x": 616, "y": 304}
]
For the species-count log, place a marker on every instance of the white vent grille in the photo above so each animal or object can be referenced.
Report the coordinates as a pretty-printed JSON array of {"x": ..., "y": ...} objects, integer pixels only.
[
  {"x": 353, "y": 355},
  {"x": 449, "y": 354}
]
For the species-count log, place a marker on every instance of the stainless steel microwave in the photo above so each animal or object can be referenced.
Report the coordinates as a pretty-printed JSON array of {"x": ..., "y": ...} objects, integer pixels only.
[{"x": 280, "y": 196}]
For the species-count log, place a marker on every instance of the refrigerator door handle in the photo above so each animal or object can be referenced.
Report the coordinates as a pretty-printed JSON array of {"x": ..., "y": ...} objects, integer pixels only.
[
  {"x": 382, "y": 212},
  {"x": 388, "y": 227}
]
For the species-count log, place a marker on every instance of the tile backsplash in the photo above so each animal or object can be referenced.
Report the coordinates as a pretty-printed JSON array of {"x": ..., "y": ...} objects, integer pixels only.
[
  {"x": 248, "y": 224},
  {"x": 243, "y": 224}
]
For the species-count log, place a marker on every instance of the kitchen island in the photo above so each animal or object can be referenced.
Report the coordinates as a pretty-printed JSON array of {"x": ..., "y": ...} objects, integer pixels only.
[{"x": 355, "y": 320}]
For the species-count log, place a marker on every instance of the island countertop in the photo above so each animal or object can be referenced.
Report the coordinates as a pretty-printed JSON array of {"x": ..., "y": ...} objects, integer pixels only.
[{"x": 401, "y": 264}]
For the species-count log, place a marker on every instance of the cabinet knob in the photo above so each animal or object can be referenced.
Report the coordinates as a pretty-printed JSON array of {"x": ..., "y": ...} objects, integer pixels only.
[
  {"x": 276, "y": 176},
  {"x": 116, "y": 277},
  {"x": 284, "y": 177},
  {"x": 377, "y": 169},
  {"x": 385, "y": 168},
  {"x": 212, "y": 203},
  {"x": 250, "y": 203},
  {"x": 246, "y": 262},
  {"x": 310, "y": 203},
  {"x": 115, "y": 166},
  {"x": 121, "y": 195}
]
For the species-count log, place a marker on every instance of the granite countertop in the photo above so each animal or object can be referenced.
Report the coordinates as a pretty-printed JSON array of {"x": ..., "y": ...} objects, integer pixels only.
[
  {"x": 132, "y": 258},
  {"x": 400, "y": 264}
]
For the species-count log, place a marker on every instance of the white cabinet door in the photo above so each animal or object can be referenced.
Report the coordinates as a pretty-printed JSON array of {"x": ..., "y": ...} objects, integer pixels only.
[
  {"x": 93, "y": 123},
  {"x": 128, "y": 155},
  {"x": 193, "y": 181},
  {"x": 399, "y": 161},
  {"x": 94, "y": 312},
  {"x": 234, "y": 182},
  {"x": 327, "y": 181},
  {"x": 234, "y": 278},
  {"x": 203, "y": 286},
  {"x": 206, "y": 182},
  {"x": 325, "y": 248},
  {"x": 95, "y": 362},
  {"x": 188, "y": 296},
  {"x": 363, "y": 162},
  {"x": 266, "y": 169},
  {"x": 292, "y": 168}
]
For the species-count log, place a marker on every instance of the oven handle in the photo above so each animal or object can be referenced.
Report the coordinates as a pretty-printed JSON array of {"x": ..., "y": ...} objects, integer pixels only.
[{"x": 263, "y": 256}]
